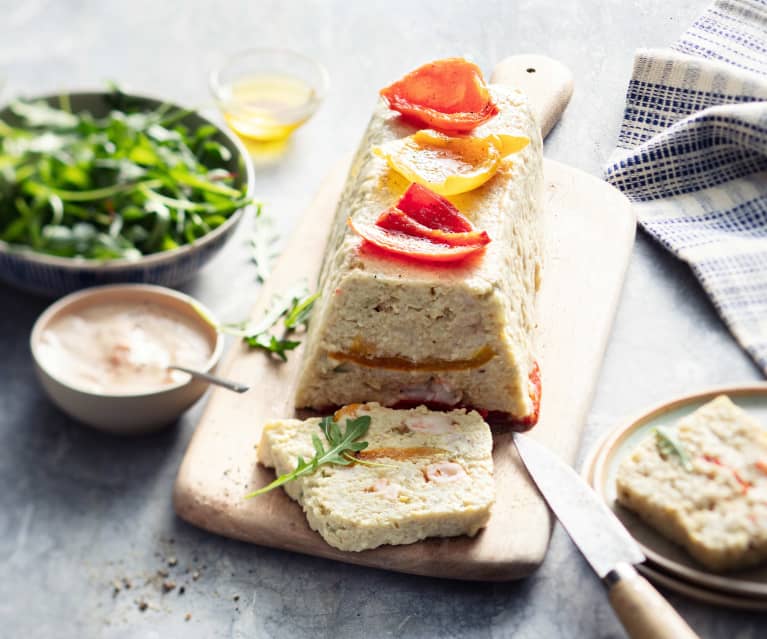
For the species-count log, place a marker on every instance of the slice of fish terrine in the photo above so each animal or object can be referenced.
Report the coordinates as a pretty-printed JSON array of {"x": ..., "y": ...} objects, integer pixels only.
[
  {"x": 704, "y": 485},
  {"x": 397, "y": 332},
  {"x": 433, "y": 477}
]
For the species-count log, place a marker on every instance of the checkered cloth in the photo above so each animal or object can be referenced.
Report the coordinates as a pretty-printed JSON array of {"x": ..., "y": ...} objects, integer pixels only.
[{"x": 692, "y": 157}]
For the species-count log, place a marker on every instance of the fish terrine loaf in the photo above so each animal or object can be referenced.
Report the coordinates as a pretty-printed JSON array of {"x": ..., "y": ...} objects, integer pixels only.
[
  {"x": 400, "y": 332},
  {"x": 704, "y": 485},
  {"x": 427, "y": 475}
]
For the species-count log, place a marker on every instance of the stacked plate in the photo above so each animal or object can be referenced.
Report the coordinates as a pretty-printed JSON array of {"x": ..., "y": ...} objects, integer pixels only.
[{"x": 668, "y": 565}]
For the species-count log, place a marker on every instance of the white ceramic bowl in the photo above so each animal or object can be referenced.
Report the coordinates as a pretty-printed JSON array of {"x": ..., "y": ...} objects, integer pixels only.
[
  {"x": 53, "y": 276},
  {"x": 126, "y": 413}
]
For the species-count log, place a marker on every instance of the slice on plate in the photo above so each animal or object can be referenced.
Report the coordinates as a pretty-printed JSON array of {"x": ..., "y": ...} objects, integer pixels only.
[
  {"x": 703, "y": 485},
  {"x": 423, "y": 474}
]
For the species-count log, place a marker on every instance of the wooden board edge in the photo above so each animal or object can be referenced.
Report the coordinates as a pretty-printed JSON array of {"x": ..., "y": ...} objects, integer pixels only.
[{"x": 206, "y": 515}]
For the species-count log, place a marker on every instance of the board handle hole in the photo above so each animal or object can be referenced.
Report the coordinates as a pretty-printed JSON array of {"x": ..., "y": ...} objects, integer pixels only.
[{"x": 530, "y": 70}]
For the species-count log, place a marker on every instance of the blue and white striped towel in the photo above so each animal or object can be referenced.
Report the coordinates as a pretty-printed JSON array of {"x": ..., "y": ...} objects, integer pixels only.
[{"x": 692, "y": 156}]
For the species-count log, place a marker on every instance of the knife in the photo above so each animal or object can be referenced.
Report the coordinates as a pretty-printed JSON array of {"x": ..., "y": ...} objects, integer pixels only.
[{"x": 604, "y": 542}]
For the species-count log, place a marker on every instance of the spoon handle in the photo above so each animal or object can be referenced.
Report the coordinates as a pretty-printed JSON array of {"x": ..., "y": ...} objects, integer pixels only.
[{"x": 213, "y": 379}]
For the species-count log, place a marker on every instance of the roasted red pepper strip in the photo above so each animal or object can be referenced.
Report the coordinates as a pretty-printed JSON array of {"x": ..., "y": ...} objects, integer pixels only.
[
  {"x": 416, "y": 248},
  {"x": 535, "y": 397},
  {"x": 395, "y": 219},
  {"x": 430, "y": 209},
  {"x": 449, "y": 95},
  {"x": 424, "y": 226},
  {"x": 744, "y": 485}
]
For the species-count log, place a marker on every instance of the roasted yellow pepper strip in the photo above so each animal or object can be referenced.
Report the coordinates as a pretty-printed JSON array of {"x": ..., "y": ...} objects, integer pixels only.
[{"x": 449, "y": 165}]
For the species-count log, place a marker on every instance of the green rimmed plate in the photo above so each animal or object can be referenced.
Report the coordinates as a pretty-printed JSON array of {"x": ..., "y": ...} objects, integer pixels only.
[{"x": 601, "y": 466}]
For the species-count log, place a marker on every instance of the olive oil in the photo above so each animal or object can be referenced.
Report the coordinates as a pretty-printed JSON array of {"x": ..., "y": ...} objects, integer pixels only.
[{"x": 268, "y": 107}]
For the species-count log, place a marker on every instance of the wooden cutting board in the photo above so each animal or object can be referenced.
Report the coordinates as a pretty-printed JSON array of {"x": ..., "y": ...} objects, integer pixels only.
[{"x": 588, "y": 239}]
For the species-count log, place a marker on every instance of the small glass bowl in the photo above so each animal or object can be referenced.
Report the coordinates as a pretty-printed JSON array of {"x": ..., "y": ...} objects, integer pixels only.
[{"x": 265, "y": 94}]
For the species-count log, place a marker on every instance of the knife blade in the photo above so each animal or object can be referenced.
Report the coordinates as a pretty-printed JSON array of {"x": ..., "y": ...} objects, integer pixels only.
[
  {"x": 604, "y": 542},
  {"x": 578, "y": 509}
]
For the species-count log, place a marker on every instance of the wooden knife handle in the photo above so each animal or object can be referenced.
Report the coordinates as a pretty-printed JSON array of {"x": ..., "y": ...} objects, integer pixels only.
[
  {"x": 547, "y": 82},
  {"x": 642, "y": 610}
]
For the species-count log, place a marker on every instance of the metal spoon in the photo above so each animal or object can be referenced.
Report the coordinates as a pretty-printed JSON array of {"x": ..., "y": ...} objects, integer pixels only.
[{"x": 213, "y": 379}]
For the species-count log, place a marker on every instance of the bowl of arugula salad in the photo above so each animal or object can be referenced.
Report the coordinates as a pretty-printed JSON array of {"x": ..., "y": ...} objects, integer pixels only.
[{"x": 101, "y": 188}]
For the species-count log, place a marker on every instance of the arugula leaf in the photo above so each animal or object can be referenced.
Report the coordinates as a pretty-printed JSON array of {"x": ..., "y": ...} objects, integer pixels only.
[
  {"x": 341, "y": 448},
  {"x": 294, "y": 312},
  {"x": 669, "y": 446},
  {"x": 40, "y": 114},
  {"x": 271, "y": 344},
  {"x": 299, "y": 311},
  {"x": 264, "y": 246}
]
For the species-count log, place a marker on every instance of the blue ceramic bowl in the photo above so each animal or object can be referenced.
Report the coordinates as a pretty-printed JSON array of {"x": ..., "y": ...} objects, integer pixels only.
[{"x": 54, "y": 276}]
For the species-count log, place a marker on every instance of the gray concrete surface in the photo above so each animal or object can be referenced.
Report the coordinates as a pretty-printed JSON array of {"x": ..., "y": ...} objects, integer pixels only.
[{"x": 80, "y": 510}]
